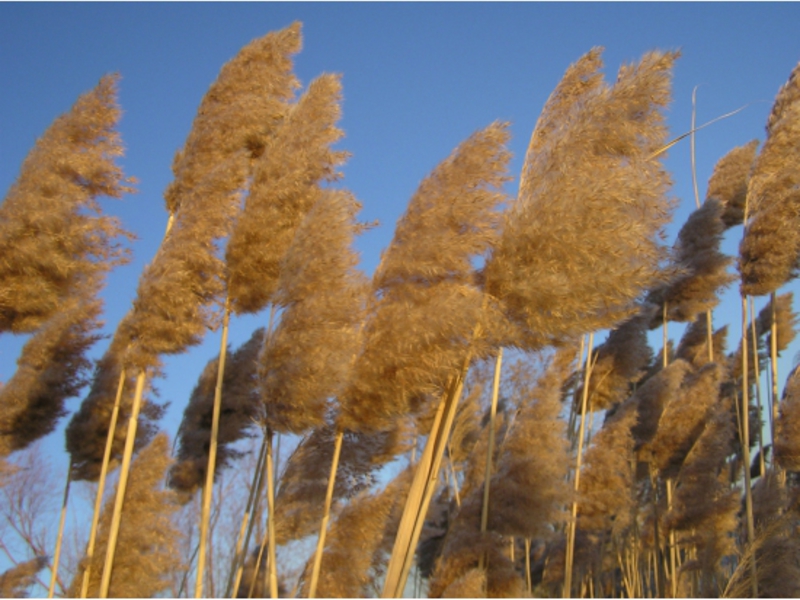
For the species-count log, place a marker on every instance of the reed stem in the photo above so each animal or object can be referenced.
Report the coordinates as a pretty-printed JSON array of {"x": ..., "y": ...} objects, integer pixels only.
[{"x": 60, "y": 536}]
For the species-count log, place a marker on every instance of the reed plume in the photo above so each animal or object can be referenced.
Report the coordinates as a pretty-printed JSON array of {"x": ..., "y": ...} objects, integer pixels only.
[
  {"x": 583, "y": 240},
  {"x": 705, "y": 508},
  {"x": 51, "y": 368},
  {"x": 355, "y": 539},
  {"x": 619, "y": 363},
  {"x": 427, "y": 302},
  {"x": 14, "y": 582},
  {"x": 239, "y": 409},
  {"x": 701, "y": 267},
  {"x": 238, "y": 113},
  {"x": 769, "y": 250},
  {"x": 307, "y": 359},
  {"x": 693, "y": 346},
  {"x": 284, "y": 188},
  {"x": 53, "y": 235},
  {"x": 148, "y": 540},
  {"x": 729, "y": 180},
  {"x": 787, "y": 426},
  {"x": 651, "y": 398}
]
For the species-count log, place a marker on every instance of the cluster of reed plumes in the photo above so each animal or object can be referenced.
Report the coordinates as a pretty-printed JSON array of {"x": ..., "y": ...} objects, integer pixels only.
[{"x": 420, "y": 462}]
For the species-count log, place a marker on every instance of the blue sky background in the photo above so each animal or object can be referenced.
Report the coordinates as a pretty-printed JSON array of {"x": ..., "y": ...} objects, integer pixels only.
[{"x": 418, "y": 79}]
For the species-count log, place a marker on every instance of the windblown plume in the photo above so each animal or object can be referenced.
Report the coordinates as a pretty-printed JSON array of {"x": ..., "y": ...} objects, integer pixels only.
[
  {"x": 705, "y": 507},
  {"x": 787, "y": 426},
  {"x": 298, "y": 505},
  {"x": 768, "y": 253},
  {"x": 693, "y": 347},
  {"x": 606, "y": 494},
  {"x": 785, "y": 318},
  {"x": 307, "y": 359},
  {"x": 651, "y": 398},
  {"x": 239, "y": 112},
  {"x": 355, "y": 538},
  {"x": 683, "y": 419},
  {"x": 238, "y": 413},
  {"x": 180, "y": 291},
  {"x": 619, "y": 362},
  {"x": 529, "y": 489},
  {"x": 428, "y": 305},
  {"x": 148, "y": 540},
  {"x": 284, "y": 188},
  {"x": 583, "y": 240},
  {"x": 53, "y": 236},
  {"x": 14, "y": 582},
  {"x": 87, "y": 431},
  {"x": 52, "y": 368},
  {"x": 701, "y": 266},
  {"x": 728, "y": 183}
]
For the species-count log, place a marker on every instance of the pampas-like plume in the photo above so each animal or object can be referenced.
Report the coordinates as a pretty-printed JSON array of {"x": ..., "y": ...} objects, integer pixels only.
[
  {"x": 298, "y": 508},
  {"x": 693, "y": 347},
  {"x": 768, "y": 253},
  {"x": 53, "y": 236},
  {"x": 583, "y": 240},
  {"x": 239, "y": 112},
  {"x": 427, "y": 303},
  {"x": 147, "y": 550},
  {"x": 702, "y": 267},
  {"x": 683, "y": 419},
  {"x": 787, "y": 430},
  {"x": 705, "y": 507},
  {"x": 619, "y": 363},
  {"x": 355, "y": 538},
  {"x": 14, "y": 582},
  {"x": 728, "y": 182},
  {"x": 529, "y": 489},
  {"x": 284, "y": 188},
  {"x": 180, "y": 290},
  {"x": 308, "y": 357},
  {"x": 51, "y": 369},
  {"x": 239, "y": 410},
  {"x": 606, "y": 492}
]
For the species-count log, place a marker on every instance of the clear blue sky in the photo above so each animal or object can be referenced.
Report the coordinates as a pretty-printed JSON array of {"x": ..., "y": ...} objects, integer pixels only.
[{"x": 418, "y": 79}]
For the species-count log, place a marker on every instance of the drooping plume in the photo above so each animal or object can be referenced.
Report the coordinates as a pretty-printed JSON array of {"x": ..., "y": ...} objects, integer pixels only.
[
  {"x": 307, "y": 359},
  {"x": 181, "y": 290},
  {"x": 147, "y": 549},
  {"x": 693, "y": 346},
  {"x": 787, "y": 427},
  {"x": 728, "y": 182},
  {"x": 701, "y": 266},
  {"x": 53, "y": 236},
  {"x": 52, "y": 368},
  {"x": 239, "y": 409},
  {"x": 428, "y": 303},
  {"x": 284, "y": 188},
  {"x": 583, "y": 240},
  {"x": 768, "y": 253},
  {"x": 14, "y": 582}
]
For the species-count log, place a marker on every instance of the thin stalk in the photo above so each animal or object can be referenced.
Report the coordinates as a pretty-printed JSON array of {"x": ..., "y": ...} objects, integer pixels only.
[
  {"x": 122, "y": 485},
  {"x": 433, "y": 476},
  {"x": 272, "y": 570},
  {"x": 490, "y": 451},
  {"x": 337, "y": 448},
  {"x": 572, "y": 526},
  {"x": 746, "y": 447},
  {"x": 247, "y": 524},
  {"x": 673, "y": 559},
  {"x": 101, "y": 485},
  {"x": 664, "y": 351},
  {"x": 757, "y": 370},
  {"x": 773, "y": 363},
  {"x": 208, "y": 488},
  {"x": 264, "y": 538},
  {"x": 528, "y": 582},
  {"x": 60, "y": 537},
  {"x": 573, "y": 412}
]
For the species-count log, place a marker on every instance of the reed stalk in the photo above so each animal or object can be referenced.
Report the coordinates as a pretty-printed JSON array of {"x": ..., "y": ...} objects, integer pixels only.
[
  {"x": 773, "y": 363},
  {"x": 745, "y": 437},
  {"x": 60, "y": 535},
  {"x": 116, "y": 517},
  {"x": 490, "y": 451},
  {"x": 337, "y": 448},
  {"x": 208, "y": 488},
  {"x": 757, "y": 373},
  {"x": 101, "y": 484},
  {"x": 272, "y": 567},
  {"x": 573, "y": 523}
]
